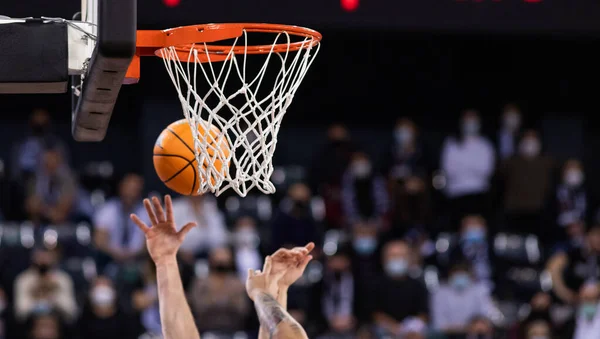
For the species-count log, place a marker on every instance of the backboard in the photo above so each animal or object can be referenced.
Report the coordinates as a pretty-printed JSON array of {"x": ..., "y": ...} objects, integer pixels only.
[{"x": 95, "y": 50}]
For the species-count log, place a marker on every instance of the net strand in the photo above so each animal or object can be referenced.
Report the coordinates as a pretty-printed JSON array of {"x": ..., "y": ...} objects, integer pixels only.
[{"x": 236, "y": 151}]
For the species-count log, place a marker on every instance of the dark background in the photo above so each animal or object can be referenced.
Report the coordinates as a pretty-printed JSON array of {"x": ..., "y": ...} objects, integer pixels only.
[{"x": 544, "y": 56}]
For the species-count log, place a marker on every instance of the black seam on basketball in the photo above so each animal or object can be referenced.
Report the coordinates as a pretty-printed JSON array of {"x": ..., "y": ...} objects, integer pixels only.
[
  {"x": 172, "y": 155},
  {"x": 195, "y": 179},
  {"x": 181, "y": 170},
  {"x": 182, "y": 141}
]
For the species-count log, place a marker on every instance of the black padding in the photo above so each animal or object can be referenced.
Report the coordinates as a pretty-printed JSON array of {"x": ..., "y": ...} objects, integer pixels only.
[
  {"x": 34, "y": 57},
  {"x": 112, "y": 56}
]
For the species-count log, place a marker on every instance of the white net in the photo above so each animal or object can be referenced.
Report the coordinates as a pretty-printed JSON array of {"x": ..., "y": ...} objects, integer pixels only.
[{"x": 236, "y": 101}]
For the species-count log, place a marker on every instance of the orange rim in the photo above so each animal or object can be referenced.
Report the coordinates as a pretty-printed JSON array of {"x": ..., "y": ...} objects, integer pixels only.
[{"x": 186, "y": 38}]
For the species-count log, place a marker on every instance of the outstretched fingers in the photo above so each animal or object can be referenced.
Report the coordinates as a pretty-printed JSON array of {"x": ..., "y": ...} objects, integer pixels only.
[
  {"x": 305, "y": 262},
  {"x": 142, "y": 226},
  {"x": 169, "y": 208},
  {"x": 150, "y": 212},
  {"x": 185, "y": 229},
  {"x": 160, "y": 214},
  {"x": 267, "y": 266}
]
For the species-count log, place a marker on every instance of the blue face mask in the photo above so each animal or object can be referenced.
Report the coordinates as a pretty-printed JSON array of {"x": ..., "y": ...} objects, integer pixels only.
[
  {"x": 588, "y": 310},
  {"x": 403, "y": 135},
  {"x": 460, "y": 281},
  {"x": 474, "y": 235},
  {"x": 470, "y": 127},
  {"x": 365, "y": 245},
  {"x": 396, "y": 267}
]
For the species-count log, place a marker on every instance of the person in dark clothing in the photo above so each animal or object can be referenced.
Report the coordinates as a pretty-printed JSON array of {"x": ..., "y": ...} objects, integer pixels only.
[
  {"x": 294, "y": 224},
  {"x": 102, "y": 318}
]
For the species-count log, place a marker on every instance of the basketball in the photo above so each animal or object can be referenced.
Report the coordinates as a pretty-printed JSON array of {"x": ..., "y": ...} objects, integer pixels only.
[{"x": 175, "y": 160}]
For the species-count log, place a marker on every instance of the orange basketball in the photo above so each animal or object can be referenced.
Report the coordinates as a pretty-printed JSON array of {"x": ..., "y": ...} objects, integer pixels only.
[{"x": 175, "y": 160}]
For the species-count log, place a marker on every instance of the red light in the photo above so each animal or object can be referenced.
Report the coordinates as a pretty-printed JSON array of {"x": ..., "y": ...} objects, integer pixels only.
[
  {"x": 349, "y": 5},
  {"x": 171, "y": 3}
]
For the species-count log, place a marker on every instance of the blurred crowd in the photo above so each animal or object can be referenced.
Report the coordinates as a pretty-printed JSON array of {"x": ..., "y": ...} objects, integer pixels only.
[{"x": 489, "y": 238}]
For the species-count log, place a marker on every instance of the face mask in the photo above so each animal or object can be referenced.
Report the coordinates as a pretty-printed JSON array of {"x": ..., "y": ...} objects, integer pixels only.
[
  {"x": 396, "y": 267},
  {"x": 365, "y": 245},
  {"x": 38, "y": 129},
  {"x": 474, "y": 235},
  {"x": 246, "y": 237},
  {"x": 539, "y": 337},
  {"x": 530, "y": 148},
  {"x": 574, "y": 178},
  {"x": 103, "y": 296},
  {"x": 221, "y": 268},
  {"x": 470, "y": 127},
  {"x": 460, "y": 281},
  {"x": 588, "y": 310},
  {"x": 512, "y": 121},
  {"x": 361, "y": 169},
  {"x": 403, "y": 135},
  {"x": 43, "y": 268}
]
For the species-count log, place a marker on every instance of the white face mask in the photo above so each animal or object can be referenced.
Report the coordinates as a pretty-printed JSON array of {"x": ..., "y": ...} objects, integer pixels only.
[
  {"x": 103, "y": 296},
  {"x": 512, "y": 121},
  {"x": 403, "y": 135},
  {"x": 530, "y": 147},
  {"x": 361, "y": 169},
  {"x": 246, "y": 237},
  {"x": 574, "y": 178},
  {"x": 471, "y": 127}
]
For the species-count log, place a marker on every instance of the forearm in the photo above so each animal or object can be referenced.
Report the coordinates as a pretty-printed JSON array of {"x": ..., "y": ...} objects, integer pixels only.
[
  {"x": 175, "y": 314},
  {"x": 275, "y": 319},
  {"x": 263, "y": 332}
]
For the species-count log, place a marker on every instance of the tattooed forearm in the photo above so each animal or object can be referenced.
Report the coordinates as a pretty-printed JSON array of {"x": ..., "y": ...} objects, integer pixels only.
[{"x": 270, "y": 313}]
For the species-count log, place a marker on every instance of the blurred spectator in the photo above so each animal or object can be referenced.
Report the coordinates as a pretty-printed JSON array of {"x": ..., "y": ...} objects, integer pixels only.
[
  {"x": 366, "y": 267},
  {"x": 211, "y": 231},
  {"x": 44, "y": 287},
  {"x": 571, "y": 196},
  {"x": 327, "y": 170},
  {"x": 51, "y": 191},
  {"x": 539, "y": 329},
  {"x": 528, "y": 178},
  {"x": 468, "y": 162},
  {"x": 413, "y": 328},
  {"x": 423, "y": 247},
  {"x": 246, "y": 246},
  {"x": 145, "y": 299},
  {"x": 572, "y": 268},
  {"x": 585, "y": 323},
  {"x": 338, "y": 293},
  {"x": 364, "y": 194},
  {"x": 573, "y": 237},
  {"x": 3, "y": 306},
  {"x": 509, "y": 132},
  {"x": 293, "y": 224},
  {"x": 540, "y": 306},
  {"x": 219, "y": 301},
  {"x": 102, "y": 318},
  {"x": 115, "y": 234},
  {"x": 398, "y": 296},
  {"x": 407, "y": 171},
  {"x": 475, "y": 249},
  {"x": 27, "y": 154},
  {"x": 458, "y": 301},
  {"x": 480, "y": 328},
  {"x": 45, "y": 326}
]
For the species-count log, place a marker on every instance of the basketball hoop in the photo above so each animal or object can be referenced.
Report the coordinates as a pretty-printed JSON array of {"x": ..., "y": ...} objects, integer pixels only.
[{"x": 220, "y": 86}]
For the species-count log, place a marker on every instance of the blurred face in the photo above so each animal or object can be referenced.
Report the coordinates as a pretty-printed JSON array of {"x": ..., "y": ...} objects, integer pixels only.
[
  {"x": 40, "y": 120},
  {"x": 102, "y": 293},
  {"x": 245, "y": 234},
  {"x": 530, "y": 145},
  {"x": 299, "y": 192},
  {"x": 221, "y": 260},
  {"x": 338, "y": 263},
  {"x": 414, "y": 335},
  {"x": 52, "y": 161},
  {"x": 45, "y": 327},
  {"x": 405, "y": 131},
  {"x": 573, "y": 173},
  {"x": 470, "y": 123},
  {"x": 538, "y": 330},
  {"x": 396, "y": 259},
  {"x": 589, "y": 296},
  {"x": 337, "y": 133},
  {"x": 541, "y": 301},
  {"x": 511, "y": 118},
  {"x": 473, "y": 229},
  {"x": 130, "y": 189},
  {"x": 594, "y": 239},
  {"x": 480, "y": 327},
  {"x": 44, "y": 260},
  {"x": 360, "y": 166},
  {"x": 460, "y": 279},
  {"x": 365, "y": 239}
]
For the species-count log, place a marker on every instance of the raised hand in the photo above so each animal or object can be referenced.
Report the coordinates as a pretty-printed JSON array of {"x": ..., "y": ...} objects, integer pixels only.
[
  {"x": 162, "y": 238},
  {"x": 263, "y": 281},
  {"x": 290, "y": 264}
]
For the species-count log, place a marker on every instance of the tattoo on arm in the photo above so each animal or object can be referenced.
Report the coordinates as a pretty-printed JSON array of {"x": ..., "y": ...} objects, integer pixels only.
[{"x": 270, "y": 313}]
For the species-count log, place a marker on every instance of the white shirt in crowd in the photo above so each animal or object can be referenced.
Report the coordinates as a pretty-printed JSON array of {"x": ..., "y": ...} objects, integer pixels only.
[
  {"x": 468, "y": 165},
  {"x": 211, "y": 231},
  {"x": 587, "y": 328},
  {"x": 124, "y": 233},
  {"x": 452, "y": 308}
]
